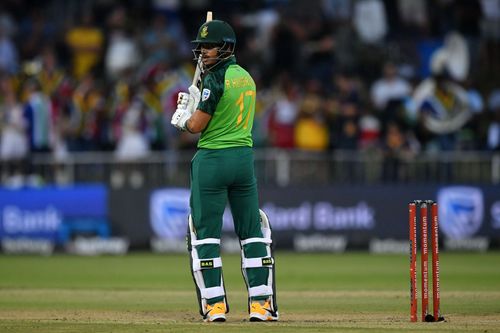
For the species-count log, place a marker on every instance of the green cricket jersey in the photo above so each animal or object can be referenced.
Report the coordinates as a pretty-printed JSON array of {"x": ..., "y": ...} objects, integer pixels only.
[{"x": 228, "y": 94}]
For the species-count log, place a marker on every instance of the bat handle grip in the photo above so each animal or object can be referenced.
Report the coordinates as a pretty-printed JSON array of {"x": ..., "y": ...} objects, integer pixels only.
[{"x": 197, "y": 73}]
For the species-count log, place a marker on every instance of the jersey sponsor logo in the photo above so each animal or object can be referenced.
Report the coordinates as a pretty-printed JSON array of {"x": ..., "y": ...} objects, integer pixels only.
[
  {"x": 460, "y": 211},
  {"x": 205, "y": 95}
]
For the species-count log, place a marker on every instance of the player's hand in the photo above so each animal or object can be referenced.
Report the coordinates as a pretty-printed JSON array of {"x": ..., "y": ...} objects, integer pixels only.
[
  {"x": 179, "y": 118},
  {"x": 189, "y": 101},
  {"x": 182, "y": 100},
  {"x": 194, "y": 97}
]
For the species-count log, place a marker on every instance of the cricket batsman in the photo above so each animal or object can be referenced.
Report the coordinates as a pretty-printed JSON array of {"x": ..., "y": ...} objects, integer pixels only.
[{"x": 222, "y": 110}]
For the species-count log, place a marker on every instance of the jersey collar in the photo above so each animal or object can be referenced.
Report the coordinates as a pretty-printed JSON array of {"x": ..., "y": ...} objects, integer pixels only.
[{"x": 223, "y": 64}]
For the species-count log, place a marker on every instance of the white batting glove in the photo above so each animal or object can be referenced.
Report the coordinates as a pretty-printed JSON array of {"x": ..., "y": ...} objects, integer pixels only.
[
  {"x": 186, "y": 106},
  {"x": 194, "y": 97},
  {"x": 189, "y": 101},
  {"x": 182, "y": 100},
  {"x": 179, "y": 118}
]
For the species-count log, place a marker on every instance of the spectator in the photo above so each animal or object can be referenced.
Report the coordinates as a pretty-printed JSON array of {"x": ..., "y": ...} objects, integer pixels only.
[
  {"x": 369, "y": 130},
  {"x": 390, "y": 87},
  {"x": 86, "y": 99},
  {"x": 319, "y": 50},
  {"x": 413, "y": 13},
  {"x": 284, "y": 114},
  {"x": 347, "y": 128},
  {"x": 396, "y": 148},
  {"x": 164, "y": 41},
  {"x": 298, "y": 42},
  {"x": 444, "y": 110},
  {"x": 122, "y": 95},
  {"x": 262, "y": 22},
  {"x": 8, "y": 51},
  {"x": 149, "y": 96},
  {"x": 470, "y": 135},
  {"x": 170, "y": 82},
  {"x": 63, "y": 109},
  {"x": 311, "y": 132},
  {"x": 50, "y": 76},
  {"x": 85, "y": 42},
  {"x": 55, "y": 85},
  {"x": 13, "y": 139},
  {"x": 132, "y": 144},
  {"x": 38, "y": 114},
  {"x": 370, "y": 20},
  {"x": 343, "y": 113},
  {"x": 122, "y": 53}
]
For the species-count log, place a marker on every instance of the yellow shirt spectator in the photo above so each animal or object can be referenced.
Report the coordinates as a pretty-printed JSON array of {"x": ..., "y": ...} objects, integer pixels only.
[
  {"x": 311, "y": 134},
  {"x": 86, "y": 44}
]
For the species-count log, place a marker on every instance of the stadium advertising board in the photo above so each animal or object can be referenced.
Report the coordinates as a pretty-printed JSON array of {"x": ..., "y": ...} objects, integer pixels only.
[
  {"x": 335, "y": 219},
  {"x": 31, "y": 217}
]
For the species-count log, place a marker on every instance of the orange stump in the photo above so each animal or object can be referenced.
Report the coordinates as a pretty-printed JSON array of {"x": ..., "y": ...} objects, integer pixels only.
[
  {"x": 413, "y": 261},
  {"x": 424, "y": 260},
  {"x": 423, "y": 208},
  {"x": 435, "y": 262}
]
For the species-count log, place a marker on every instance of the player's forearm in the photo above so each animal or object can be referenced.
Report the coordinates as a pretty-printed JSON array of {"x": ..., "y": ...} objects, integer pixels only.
[
  {"x": 197, "y": 122},
  {"x": 191, "y": 127}
]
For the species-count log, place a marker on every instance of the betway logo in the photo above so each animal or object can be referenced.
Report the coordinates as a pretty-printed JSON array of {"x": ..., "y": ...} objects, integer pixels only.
[
  {"x": 16, "y": 220},
  {"x": 321, "y": 216}
]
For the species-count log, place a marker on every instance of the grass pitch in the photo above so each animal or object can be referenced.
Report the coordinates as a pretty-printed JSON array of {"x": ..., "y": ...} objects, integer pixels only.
[{"x": 355, "y": 292}]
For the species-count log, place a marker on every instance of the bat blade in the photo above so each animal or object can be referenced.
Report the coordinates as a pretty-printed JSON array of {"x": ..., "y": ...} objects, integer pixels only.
[{"x": 197, "y": 72}]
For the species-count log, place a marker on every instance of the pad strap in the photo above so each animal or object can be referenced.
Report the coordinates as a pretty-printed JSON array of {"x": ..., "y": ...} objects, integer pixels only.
[
  {"x": 256, "y": 240},
  {"x": 212, "y": 292},
  {"x": 197, "y": 242},
  {"x": 261, "y": 290},
  {"x": 199, "y": 264},
  {"x": 258, "y": 262}
]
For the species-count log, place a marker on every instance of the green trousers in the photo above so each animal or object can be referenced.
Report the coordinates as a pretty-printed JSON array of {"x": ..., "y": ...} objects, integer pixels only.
[{"x": 219, "y": 176}]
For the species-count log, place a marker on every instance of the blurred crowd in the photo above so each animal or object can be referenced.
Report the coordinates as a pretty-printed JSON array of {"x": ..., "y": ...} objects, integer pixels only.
[{"x": 103, "y": 75}]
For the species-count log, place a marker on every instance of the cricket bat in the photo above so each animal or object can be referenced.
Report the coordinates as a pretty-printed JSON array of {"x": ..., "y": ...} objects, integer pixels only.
[{"x": 197, "y": 72}]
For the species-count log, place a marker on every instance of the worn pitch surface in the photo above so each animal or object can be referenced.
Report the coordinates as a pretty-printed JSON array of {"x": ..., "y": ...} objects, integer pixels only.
[{"x": 316, "y": 293}]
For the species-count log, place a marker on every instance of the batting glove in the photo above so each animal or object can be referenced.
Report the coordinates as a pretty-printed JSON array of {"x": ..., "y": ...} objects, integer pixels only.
[
  {"x": 189, "y": 101},
  {"x": 194, "y": 97},
  {"x": 183, "y": 100},
  {"x": 186, "y": 105},
  {"x": 179, "y": 118}
]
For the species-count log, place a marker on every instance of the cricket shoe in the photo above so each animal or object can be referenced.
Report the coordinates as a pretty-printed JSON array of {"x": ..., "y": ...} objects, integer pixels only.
[
  {"x": 215, "y": 312},
  {"x": 262, "y": 311}
]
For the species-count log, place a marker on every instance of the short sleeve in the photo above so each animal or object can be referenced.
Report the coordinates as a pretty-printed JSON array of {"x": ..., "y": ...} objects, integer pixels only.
[{"x": 211, "y": 93}]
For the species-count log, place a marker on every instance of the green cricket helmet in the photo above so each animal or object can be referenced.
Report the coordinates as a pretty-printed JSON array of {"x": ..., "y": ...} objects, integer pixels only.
[
  {"x": 215, "y": 32},
  {"x": 218, "y": 34}
]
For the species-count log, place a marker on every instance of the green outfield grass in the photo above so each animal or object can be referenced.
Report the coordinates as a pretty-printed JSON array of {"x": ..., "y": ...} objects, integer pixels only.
[{"x": 354, "y": 292}]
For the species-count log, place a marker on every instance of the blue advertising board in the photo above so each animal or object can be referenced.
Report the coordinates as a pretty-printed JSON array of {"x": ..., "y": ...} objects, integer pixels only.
[
  {"x": 350, "y": 217},
  {"x": 53, "y": 213}
]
